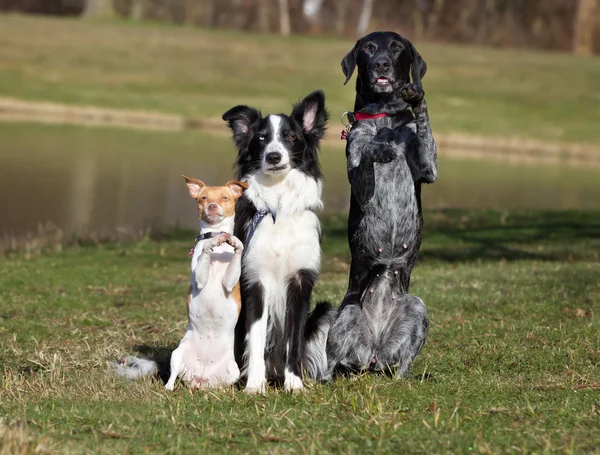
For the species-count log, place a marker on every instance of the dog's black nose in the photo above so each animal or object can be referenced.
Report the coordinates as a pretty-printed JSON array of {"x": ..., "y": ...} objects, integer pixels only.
[
  {"x": 382, "y": 64},
  {"x": 273, "y": 157}
]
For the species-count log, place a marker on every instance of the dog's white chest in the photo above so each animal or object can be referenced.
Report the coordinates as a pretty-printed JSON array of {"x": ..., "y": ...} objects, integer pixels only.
[{"x": 279, "y": 248}]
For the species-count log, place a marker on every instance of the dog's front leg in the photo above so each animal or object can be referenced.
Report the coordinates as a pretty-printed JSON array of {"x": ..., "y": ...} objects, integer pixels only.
[
  {"x": 361, "y": 172},
  {"x": 299, "y": 290},
  {"x": 234, "y": 269},
  {"x": 256, "y": 317},
  {"x": 426, "y": 164},
  {"x": 202, "y": 269}
]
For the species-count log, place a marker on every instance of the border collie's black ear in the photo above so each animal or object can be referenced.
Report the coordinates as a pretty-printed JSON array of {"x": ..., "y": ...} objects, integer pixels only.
[
  {"x": 311, "y": 115},
  {"x": 418, "y": 66},
  {"x": 349, "y": 62},
  {"x": 243, "y": 120}
]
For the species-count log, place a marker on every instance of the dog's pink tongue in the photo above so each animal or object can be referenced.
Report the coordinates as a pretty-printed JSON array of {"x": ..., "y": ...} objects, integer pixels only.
[{"x": 382, "y": 80}]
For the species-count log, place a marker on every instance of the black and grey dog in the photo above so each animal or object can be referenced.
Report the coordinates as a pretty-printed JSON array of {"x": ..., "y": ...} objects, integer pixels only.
[{"x": 390, "y": 153}]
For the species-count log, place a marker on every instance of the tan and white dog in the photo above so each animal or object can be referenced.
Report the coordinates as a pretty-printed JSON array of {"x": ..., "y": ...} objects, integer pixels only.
[{"x": 205, "y": 356}]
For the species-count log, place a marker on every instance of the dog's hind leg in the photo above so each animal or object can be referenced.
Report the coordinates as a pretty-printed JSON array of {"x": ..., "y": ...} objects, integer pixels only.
[
  {"x": 404, "y": 336},
  {"x": 299, "y": 290},
  {"x": 350, "y": 341},
  {"x": 177, "y": 365}
]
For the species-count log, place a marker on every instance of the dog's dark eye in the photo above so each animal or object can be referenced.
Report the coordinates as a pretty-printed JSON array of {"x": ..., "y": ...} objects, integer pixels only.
[
  {"x": 203, "y": 198},
  {"x": 290, "y": 138},
  {"x": 261, "y": 137},
  {"x": 369, "y": 47},
  {"x": 396, "y": 46},
  {"x": 224, "y": 198}
]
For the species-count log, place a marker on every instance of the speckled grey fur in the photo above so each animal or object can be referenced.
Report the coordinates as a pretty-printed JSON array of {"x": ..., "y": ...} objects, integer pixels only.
[{"x": 379, "y": 325}]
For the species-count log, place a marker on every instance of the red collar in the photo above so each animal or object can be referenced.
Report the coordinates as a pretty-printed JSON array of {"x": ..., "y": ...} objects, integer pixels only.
[{"x": 357, "y": 117}]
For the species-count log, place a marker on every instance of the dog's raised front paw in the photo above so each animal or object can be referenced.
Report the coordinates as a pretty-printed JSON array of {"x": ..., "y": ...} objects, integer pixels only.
[
  {"x": 385, "y": 135},
  {"x": 235, "y": 243},
  {"x": 383, "y": 153},
  {"x": 412, "y": 93}
]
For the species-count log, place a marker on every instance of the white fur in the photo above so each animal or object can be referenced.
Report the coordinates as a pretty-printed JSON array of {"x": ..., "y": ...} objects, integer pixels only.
[
  {"x": 256, "y": 341},
  {"x": 292, "y": 383},
  {"x": 278, "y": 250},
  {"x": 275, "y": 145},
  {"x": 205, "y": 355}
]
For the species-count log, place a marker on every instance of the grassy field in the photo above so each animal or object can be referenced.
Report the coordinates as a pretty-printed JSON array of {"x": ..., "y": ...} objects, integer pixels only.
[
  {"x": 474, "y": 90},
  {"x": 514, "y": 300}
]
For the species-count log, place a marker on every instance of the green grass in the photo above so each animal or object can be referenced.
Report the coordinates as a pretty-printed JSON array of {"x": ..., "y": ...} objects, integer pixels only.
[
  {"x": 474, "y": 90},
  {"x": 513, "y": 297}
]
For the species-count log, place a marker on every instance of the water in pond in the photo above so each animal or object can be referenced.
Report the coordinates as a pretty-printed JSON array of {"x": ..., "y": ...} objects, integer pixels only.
[{"x": 106, "y": 180}]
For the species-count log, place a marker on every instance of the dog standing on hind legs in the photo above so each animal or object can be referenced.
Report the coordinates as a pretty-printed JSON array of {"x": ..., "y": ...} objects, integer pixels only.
[
  {"x": 205, "y": 355},
  {"x": 390, "y": 154}
]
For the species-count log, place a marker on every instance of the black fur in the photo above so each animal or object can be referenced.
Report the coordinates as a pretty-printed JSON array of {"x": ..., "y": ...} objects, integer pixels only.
[
  {"x": 276, "y": 154},
  {"x": 379, "y": 324}
]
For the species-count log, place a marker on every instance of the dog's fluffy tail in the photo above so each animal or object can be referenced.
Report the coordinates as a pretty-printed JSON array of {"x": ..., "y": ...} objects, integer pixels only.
[
  {"x": 135, "y": 367},
  {"x": 316, "y": 333}
]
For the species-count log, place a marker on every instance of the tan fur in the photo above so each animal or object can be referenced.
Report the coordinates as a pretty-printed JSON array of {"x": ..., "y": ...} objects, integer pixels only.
[
  {"x": 224, "y": 196},
  {"x": 237, "y": 296}
]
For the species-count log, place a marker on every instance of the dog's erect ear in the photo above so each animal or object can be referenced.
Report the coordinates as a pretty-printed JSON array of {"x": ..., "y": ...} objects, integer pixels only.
[
  {"x": 237, "y": 187},
  {"x": 311, "y": 114},
  {"x": 243, "y": 120},
  {"x": 349, "y": 62},
  {"x": 418, "y": 66},
  {"x": 195, "y": 186}
]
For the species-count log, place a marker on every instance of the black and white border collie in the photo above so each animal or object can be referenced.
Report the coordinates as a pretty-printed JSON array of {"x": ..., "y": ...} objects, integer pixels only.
[{"x": 276, "y": 338}]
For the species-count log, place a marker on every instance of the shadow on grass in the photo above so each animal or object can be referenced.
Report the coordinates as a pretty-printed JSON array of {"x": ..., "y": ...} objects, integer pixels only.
[{"x": 463, "y": 235}]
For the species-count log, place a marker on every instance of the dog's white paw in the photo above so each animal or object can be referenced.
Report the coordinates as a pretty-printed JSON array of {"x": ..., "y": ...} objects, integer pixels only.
[
  {"x": 170, "y": 387},
  {"x": 256, "y": 387},
  {"x": 292, "y": 383}
]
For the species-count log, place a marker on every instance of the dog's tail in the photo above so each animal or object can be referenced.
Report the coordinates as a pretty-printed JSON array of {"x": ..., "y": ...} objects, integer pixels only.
[
  {"x": 316, "y": 333},
  {"x": 135, "y": 367}
]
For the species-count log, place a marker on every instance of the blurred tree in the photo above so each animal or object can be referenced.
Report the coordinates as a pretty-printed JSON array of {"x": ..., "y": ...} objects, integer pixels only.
[
  {"x": 98, "y": 8},
  {"x": 137, "y": 10},
  {"x": 312, "y": 12},
  {"x": 263, "y": 15},
  {"x": 341, "y": 16},
  {"x": 585, "y": 22},
  {"x": 365, "y": 18},
  {"x": 284, "y": 18}
]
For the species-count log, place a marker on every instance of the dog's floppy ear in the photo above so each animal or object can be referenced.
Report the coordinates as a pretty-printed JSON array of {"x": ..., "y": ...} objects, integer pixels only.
[
  {"x": 349, "y": 62},
  {"x": 243, "y": 120},
  {"x": 194, "y": 186},
  {"x": 311, "y": 114},
  {"x": 418, "y": 66},
  {"x": 237, "y": 187}
]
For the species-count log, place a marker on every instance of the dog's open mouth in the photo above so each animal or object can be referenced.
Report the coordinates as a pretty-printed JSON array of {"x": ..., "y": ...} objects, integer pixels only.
[{"x": 383, "y": 82}]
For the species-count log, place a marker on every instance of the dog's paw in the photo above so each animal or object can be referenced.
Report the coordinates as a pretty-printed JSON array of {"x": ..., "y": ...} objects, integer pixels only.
[
  {"x": 223, "y": 238},
  {"x": 235, "y": 243},
  {"x": 412, "y": 93},
  {"x": 169, "y": 386},
  {"x": 292, "y": 383},
  {"x": 256, "y": 389},
  {"x": 383, "y": 154},
  {"x": 385, "y": 135}
]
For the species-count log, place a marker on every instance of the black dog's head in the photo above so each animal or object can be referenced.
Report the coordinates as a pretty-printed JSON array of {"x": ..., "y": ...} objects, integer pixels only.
[
  {"x": 276, "y": 144},
  {"x": 386, "y": 61}
]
